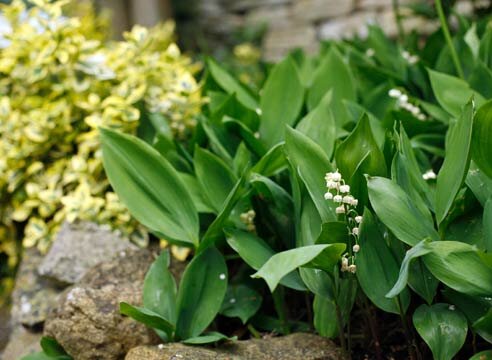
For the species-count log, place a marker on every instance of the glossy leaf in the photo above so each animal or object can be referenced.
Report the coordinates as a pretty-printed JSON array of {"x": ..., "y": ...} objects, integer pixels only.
[
  {"x": 241, "y": 301},
  {"x": 272, "y": 162},
  {"x": 451, "y": 92},
  {"x": 487, "y": 225},
  {"x": 214, "y": 176},
  {"x": 325, "y": 317},
  {"x": 210, "y": 337},
  {"x": 231, "y": 85},
  {"x": 360, "y": 151},
  {"x": 281, "y": 101},
  {"x": 201, "y": 292},
  {"x": 479, "y": 183},
  {"x": 377, "y": 268},
  {"x": 481, "y": 146},
  {"x": 150, "y": 187},
  {"x": 148, "y": 317},
  {"x": 159, "y": 289},
  {"x": 312, "y": 164},
  {"x": 456, "y": 163},
  {"x": 256, "y": 252},
  {"x": 398, "y": 212},
  {"x": 201, "y": 203},
  {"x": 442, "y": 328},
  {"x": 318, "y": 256}
]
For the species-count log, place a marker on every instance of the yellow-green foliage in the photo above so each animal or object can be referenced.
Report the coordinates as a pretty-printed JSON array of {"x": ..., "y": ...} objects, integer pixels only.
[{"x": 59, "y": 81}]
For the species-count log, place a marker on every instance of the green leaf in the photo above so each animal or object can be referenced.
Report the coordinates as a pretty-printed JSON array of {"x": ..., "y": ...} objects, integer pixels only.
[
  {"x": 422, "y": 281},
  {"x": 451, "y": 92},
  {"x": 482, "y": 355},
  {"x": 201, "y": 292},
  {"x": 281, "y": 101},
  {"x": 214, "y": 176},
  {"x": 377, "y": 268},
  {"x": 333, "y": 232},
  {"x": 333, "y": 73},
  {"x": 255, "y": 252},
  {"x": 318, "y": 282},
  {"x": 398, "y": 212},
  {"x": 442, "y": 328},
  {"x": 227, "y": 82},
  {"x": 159, "y": 289},
  {"x": 320, "y": 126},
  {"x": 148, "y": 317},
  {"x": 483, "y": 326},
  {"x": 210, "y": 337},
  {"x": 318, "y": 256},
  {"x": 52, "y": 348},
  {"x": 201, "y": 203},
  {"x": 481, "y": 146},
  {"x": 241, "y": 301},
  {"x": 272, "y": 162},
  {"x": 312, "y": 164},
  {"x": 479, "y": 183},
  {"x": 150, "y": 187},
  {"x": 460, "y": 266},
  {"x": 325, "y": 317},
  {"x": 487, "y": 225},
  {"x": 360, "y": 151},
  {"x": 456, "y": 163},
  {"x": 236, "y": 126},
  {"x": 417, "y": 251}
]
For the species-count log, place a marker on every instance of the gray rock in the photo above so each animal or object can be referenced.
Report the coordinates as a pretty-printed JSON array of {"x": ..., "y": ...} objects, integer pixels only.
[
  {"x": 33, "y": 296},
  {"x": 22, "y": 342},
  {"x": 78, "y": 247},
  {"x": 5, "y": 327},
  {"x": 87, "y": 321},
  {"x": 315, "y": 10},
  {"x": 292, "y": 347}
]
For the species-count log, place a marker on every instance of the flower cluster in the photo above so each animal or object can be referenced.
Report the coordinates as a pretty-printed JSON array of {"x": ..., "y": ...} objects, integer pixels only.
[
  {"x": 60, "y": 80},
  {"x": 411, "y": 59},
  {"x": 406, "y": 105},
  {"x": 339, "y": 192},
  {"x": 429, "y": 175},
  {"x": 248, "y": 219}
]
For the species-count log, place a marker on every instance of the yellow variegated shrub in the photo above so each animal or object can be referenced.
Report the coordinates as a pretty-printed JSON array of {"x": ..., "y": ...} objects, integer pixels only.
[{"x": 59, "y": 81}]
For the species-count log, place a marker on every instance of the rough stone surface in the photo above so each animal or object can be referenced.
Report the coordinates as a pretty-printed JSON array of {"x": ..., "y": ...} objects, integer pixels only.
[
  {"x": 23, "y": 342},
  {"x": 291, "y": 347},
  {"x": 33, "y": 296},
  {"x": 87, "y": 321},
  {"x": 5, "y": 327},
  {"x": 315, "y": 10},
  {"x": 78, "y": 247}
]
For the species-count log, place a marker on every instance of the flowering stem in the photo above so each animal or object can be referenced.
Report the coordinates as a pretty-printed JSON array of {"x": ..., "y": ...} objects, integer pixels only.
[{"x": 447, "y": 36}]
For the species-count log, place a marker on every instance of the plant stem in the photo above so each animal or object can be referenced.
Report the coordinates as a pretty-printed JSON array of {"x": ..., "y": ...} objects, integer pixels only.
[
  {"x": 341, "y": 333},
  {"x": 278, "y": 301},
  {"x": 447, "y": 36},
  {"x": 399, "y": 25},
  {"x": 256, "y": 334},
  {"x": 412, "y": 346},
  {"x": 372, "y": 326}
]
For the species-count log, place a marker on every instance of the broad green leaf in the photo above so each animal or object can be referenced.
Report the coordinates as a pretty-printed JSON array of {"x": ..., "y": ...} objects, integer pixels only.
[
  {"x": 159, "y": 289},
  {"x": 201, "y": 292},
  {"x": 422, "y": 281},
  {"x": 256, "y": 252},
  {"x": 487, "y": 225},
  {"x": 272, "y": 162},
  {"x": 482, "y": 355},
  {"x": 41, "y": 356},
  {"x": 456, "y": 163},
  {"x": 241, "y": 301},
  {"x": 320, "y": 125},
  {"x": 227, "y": 82},
  {"x": 312, "y": 164},
  {"x": 460, "y": 266},
  {"x": 325, "y": 317},
  {"x": 210, "y": 337},
  {"x": 51, "y": 350},
  {"x": 451, "y": 92},
  {"x": 318, "y": 256},
  {"x": 318, "y": 282},
  {"x": 481, "y": 146},
  {"x": 360, "y": 151},
  {"x": 148, "y": 317},
  {"x": 236, "y": 126},
  {"x": 377, "y": 268},
  {"x": 442, "y": 328},
  {"x": 242, "y": 160},
  {"x": 333, "y": 73},
  {"x": 479, "y": 183},
  {"x": 201, "y": 203},
  {"x": 215, "y": 230},
  {"x": 309, "y": 227},
  {"x": 214, "y": 176},
  {"x": 281, "y": 101},
  {"x": 398, "y": 212},
  {"x": 150, "y": 187},
  {"x": 483, "y": 326},
  {"x": 333, "y": 232},
  {"x": 415, "y": 252}
]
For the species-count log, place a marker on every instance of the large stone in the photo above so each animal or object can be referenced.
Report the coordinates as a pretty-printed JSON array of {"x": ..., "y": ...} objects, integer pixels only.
[
  {"x": 245, "y": 5},
  {"x": 315, "y": 10},
  {"x": 274, "y": 17},
  {"x": 78, "y": 247},
  {"x": 279, "y": 42},
  {"x": 87, "y": 321},
  {"x": 33, "y": 296},
  {"x": 292, "y": 347}
]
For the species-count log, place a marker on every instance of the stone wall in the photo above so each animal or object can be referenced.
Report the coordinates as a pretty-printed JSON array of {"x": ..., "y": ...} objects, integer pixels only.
[{"x": 303, "y": 23}]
